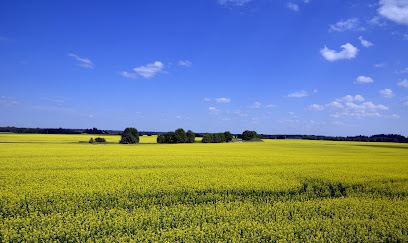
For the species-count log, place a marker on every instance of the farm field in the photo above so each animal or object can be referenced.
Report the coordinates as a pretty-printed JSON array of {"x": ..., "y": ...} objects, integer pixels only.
[{"x": 61, "y": 188}]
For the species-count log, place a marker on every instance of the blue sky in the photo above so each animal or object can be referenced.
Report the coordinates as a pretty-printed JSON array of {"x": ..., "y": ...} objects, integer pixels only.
[{"x": 274, "y": 66}]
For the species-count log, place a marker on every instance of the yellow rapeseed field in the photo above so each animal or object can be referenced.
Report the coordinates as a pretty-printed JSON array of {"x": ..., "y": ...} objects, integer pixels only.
[{"x": 61, "y": 188}]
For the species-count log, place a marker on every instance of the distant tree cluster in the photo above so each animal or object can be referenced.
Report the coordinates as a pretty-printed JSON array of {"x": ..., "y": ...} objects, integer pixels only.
[
  {"x": 178, "y": 136},
  {"x": 97, "y": 140},
  {"x": 41, "y": 130},
  {"x": 217, "y": 137},
  {"x": 94, "y": 131},
  {"x": 395, "y": 138},
  {"x": 249, "y": 135},
  {"x": 129, "y": 136}
]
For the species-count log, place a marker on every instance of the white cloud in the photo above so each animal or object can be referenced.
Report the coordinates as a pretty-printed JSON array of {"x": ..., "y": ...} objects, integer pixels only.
[
  {"x": 403, "y": 83},
  {"x": 394, "y": 10},
  {"x": 315, "y": 107},
  {"x": 347, "y": 106},
  {"x": 128, "y": 75},
  {"x": 223, "y": 100},
  {"x": 83, "y": 62},
  {"x": 256, "y": 105},
  {"x": 298, "y": 94},
  {"x": 348, "y": 52},
  {"x": 270, "y": 106},
  {"x": 405, "y": 36},
  {"x": 179, "y": 117},
  {"x": 364, "y": 80},
  {"x": 185, "y": 63},
  {"x": 335, "y": 105},
  {"x": 365, "y": 43},
  {"x": 349, "y": 98},
  {"x": 395, "y": 116},
  {"x": 233, "y": 2},
  {"x": 315, "y": 91},
  {"x": 150, "y": 70},
  {"x": 306, "y": 1},
  {"x": 293, "y": 6},
  {"x": 386, "y": 93},
  {"x": 206, "y": 100},
  {"x": 349, "y": 24}
]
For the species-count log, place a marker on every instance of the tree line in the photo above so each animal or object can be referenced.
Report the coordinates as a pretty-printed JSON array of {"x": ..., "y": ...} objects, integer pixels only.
[
  {"x": 374, "y": 138},
  {"x": 178, "y": 136}
]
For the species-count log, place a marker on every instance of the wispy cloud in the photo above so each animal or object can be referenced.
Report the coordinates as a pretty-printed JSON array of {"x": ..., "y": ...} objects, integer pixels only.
[
  {"x": 405, "y": 99},
  {"x": 350, "y": 106},
  {"x": 214, "y": 110},
  {"x": 394, "y": 10},
  {"x": 206, "y": 100},
  {"x": 128, "y": 75},
  {"x": 365, "y": 43},
  {"x": 233, "y": 2},
  {"x": 292, "y": 6},
  {"x": 403, "y": 83},
  {"x": 185, "y": 63},
  {"x": 150, "y": 70},
  {"x": 348, "y": 52},
  {"x": 387, "y": 93},
  {"x": 364, "y": 80},
  {"x": 298, "y": 94},
  {"x": 83, "y": 62},
  {"x": 256, "y": 105},
  {"x": 379, "y": 65},
  {"x": 8, "y": 101},
  {"x": 316, "y": 107},
  {"x": 223, "y": 100},
  {"x": 405, "y": 70},
  {"x": 348, "y": 24}
]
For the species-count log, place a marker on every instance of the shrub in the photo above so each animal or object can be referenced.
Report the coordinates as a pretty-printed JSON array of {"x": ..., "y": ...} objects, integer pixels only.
[
  {"x": 91, "y": 140},
  {"x": 100, "y": 140},
  {"x": 130, "y": 136}
]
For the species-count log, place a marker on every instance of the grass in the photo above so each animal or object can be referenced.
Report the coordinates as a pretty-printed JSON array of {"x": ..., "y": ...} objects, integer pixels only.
[{"x": 53, "y": 188}]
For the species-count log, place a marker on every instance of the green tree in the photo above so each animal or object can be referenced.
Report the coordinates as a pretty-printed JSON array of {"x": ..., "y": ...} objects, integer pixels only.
[
  {"x": 170, "y": 137},
  {"x": 190, "y": 136},
  {"x": 161, "y": 138},
  {"x": 249, "y": 135},
  {"x": 91, "y": 140},
  {"x": 228, "y": 136},
  {"x": 215, "y": 138},
  {"x": 207, "y": 138},
  {"x": 129, "y": 136},
  {"x": 181, "y": 136},
  {"x": 221, "y": 138}
]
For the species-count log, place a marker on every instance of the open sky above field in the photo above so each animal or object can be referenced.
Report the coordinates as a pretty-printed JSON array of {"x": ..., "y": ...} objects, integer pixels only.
[{"x": 335, "y": 67}]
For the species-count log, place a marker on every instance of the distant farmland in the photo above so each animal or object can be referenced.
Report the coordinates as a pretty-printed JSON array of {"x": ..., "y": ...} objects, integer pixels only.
[{"x": 61, "y": 188}]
